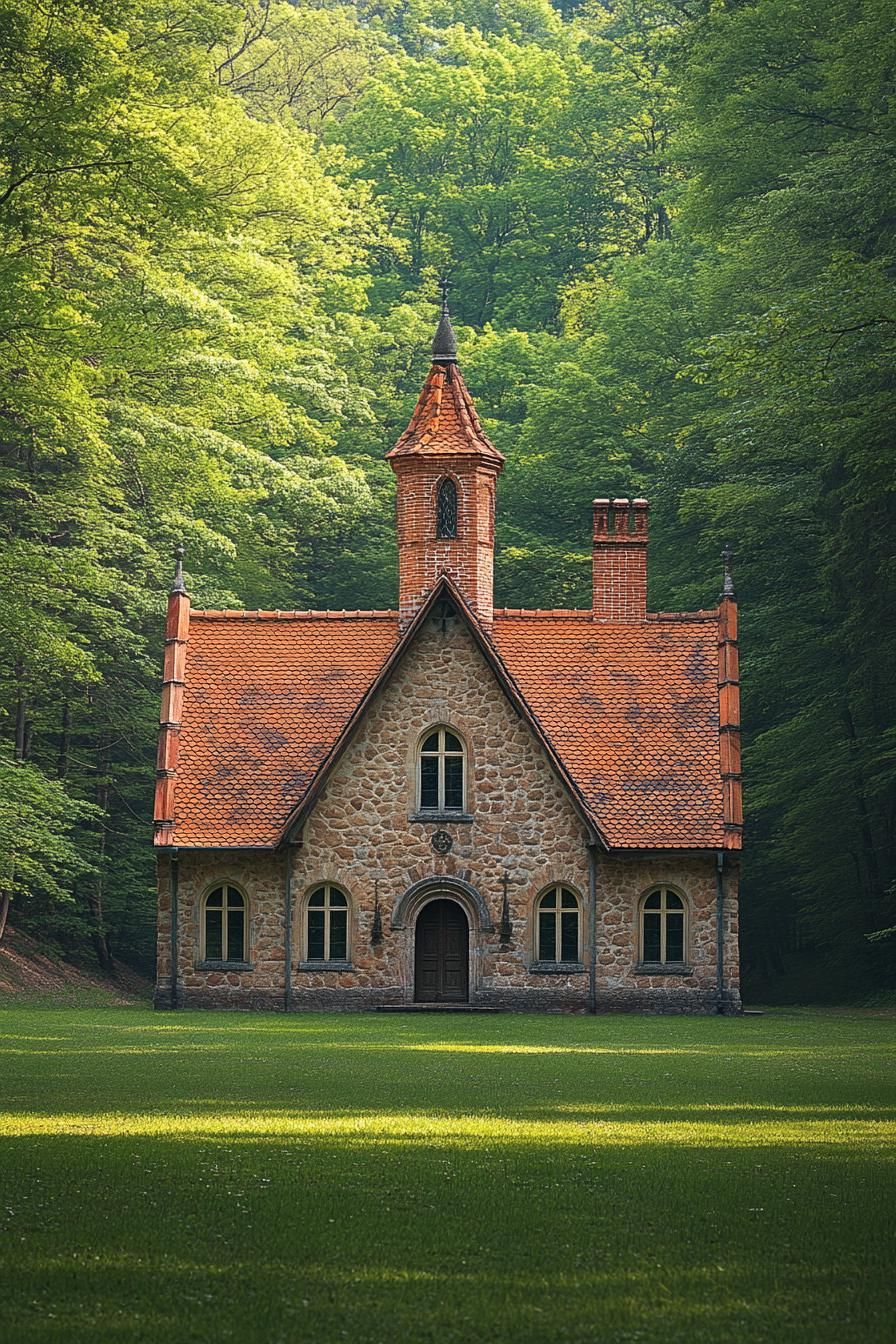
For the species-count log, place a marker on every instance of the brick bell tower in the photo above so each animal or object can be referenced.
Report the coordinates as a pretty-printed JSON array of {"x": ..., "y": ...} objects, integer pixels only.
[{"x": 446, "y": 471}]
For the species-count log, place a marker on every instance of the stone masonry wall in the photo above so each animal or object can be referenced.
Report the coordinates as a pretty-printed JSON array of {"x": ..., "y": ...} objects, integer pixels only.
[{"x": 364, "y": 836}]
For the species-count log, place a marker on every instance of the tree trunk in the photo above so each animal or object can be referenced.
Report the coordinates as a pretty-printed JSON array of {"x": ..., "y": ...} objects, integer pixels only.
[
  {"x": 100, "y": 936},
  {"x": 64, "y": 741},
  {"x": 4, "y": 912}
]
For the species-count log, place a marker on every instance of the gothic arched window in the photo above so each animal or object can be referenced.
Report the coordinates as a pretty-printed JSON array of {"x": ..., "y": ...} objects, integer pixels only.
[
  {"x": 663, "y": 928},
  {"x": 441, "y": 775},
  {"x": 446, "y": 510},
  {"x": 224, "y": 925},
  {"x": 326, "y": 925},
  {"x": 557, "y": 934}
]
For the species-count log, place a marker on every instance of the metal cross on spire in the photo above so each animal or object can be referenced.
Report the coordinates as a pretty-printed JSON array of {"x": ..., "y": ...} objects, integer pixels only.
[{"x": 444, "y": 346}]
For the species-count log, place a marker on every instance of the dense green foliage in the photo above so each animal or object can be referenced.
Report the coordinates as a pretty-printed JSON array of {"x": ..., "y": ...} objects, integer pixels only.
[
  {"x": 670, "y": 229},
  {"x": 518, "y": 1178}
]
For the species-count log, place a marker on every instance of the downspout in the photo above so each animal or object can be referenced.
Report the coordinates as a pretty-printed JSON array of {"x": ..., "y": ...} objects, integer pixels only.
[
  {"x": 592, "y": 932},
  {"x": 720, "y": 931},
  {"x": 287, "y": 932},
  {"x": 174, "y": 875}
]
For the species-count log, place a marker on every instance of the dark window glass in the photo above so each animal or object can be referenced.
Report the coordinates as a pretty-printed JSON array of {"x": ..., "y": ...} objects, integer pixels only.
[
  {"x": 653, "y": 902},
  {"x": 454, "y": 783},
  {"x": 317, "y": 898},
  {"x": 214, "y": 933},
  {"x": 429, "y": 781},
  {"x": 337, "y": 898},
  {"x": 569, "y": 901},
  {"x": 338, "y": 935},
  {"x": 452, "y": 743},
  {"x": 431, "y": 743},
  {"x": 446, "y": 511},
  {"x": 674, "y": 936},
  {"x": 547, "y": 932},
  {"x": 673, "y": 902},
  {"x": 216, "y": 898},
  {"x": 235, "y": 925},
  {"x": 315, "y": 935},
  {"x": 569, "y": 935},
  {"x": 652, "y": 937}
]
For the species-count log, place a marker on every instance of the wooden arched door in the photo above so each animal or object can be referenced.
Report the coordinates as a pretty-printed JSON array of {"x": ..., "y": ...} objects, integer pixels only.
[{"x": 442, "y": 954}]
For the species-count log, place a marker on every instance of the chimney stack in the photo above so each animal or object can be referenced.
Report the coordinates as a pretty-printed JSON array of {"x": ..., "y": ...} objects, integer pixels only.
[{"x": 620, "y": 560}]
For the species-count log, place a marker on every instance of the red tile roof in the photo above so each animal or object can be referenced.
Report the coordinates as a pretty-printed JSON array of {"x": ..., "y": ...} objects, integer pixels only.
[
  {"x": 267, "y": 694},
  {"x": 631, "y": 710},
  {"x": 445, "y": 420}
]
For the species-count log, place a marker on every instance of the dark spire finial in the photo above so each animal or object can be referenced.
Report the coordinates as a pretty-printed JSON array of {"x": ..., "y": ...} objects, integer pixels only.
[
  {"x": 444, "y": 346},
  {"x": 179, "y": 586},
  {"x": 728, "y": 583}
]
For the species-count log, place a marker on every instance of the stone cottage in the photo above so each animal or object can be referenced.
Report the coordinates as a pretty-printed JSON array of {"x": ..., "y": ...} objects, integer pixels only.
[{"x": 452, "y": 804}]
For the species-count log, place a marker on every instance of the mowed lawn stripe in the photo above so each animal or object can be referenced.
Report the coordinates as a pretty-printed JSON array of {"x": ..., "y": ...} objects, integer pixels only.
[{"x": 326, "y": 1177}]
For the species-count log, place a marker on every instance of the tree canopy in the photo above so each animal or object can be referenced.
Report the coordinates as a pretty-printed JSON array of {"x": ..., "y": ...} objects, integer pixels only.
[{"x": 670, "y": 232}]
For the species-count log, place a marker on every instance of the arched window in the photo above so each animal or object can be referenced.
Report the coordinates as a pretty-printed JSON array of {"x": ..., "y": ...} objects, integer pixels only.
[
  {"x": 224, "y": 925},
  {"x": 663, "y": 931},
  {"x": 326, "y": 925},
  {"x": 446, "y": 510},
  {"x": 441, "y": 772},
  {"x": 558, "y": 934}
]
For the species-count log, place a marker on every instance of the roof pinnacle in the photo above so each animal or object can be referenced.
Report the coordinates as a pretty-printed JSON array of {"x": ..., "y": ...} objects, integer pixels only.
[
  {"x": 728, "y": 583},
  {"x": 444, "y": 345},
  {"x": 179, "y": 586}
]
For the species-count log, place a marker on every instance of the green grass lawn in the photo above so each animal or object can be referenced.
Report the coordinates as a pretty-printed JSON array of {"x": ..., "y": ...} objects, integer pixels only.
[{"x": 374, "y": 1178}]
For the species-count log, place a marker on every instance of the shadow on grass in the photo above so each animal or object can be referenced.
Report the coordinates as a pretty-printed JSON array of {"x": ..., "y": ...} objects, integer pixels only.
[{"x": 262, "y": 1240}]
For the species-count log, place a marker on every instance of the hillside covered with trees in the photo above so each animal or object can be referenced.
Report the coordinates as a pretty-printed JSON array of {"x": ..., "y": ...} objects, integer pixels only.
[{"x": 670, "y": 230}]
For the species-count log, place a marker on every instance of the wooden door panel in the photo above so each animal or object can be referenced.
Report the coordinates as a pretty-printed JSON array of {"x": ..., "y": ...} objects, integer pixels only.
[{"x": 441, "y": 954}]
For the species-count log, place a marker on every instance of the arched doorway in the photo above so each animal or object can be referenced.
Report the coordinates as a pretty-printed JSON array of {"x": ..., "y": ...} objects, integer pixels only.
[{"x": 442, "y": 954}]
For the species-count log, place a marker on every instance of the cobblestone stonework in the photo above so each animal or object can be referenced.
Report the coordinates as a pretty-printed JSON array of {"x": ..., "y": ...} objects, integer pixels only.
[{"x": 366, "y": 836}]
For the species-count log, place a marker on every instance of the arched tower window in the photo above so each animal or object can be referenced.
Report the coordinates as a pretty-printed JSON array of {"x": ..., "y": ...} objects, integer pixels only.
[{"x": 446, "y": 510}]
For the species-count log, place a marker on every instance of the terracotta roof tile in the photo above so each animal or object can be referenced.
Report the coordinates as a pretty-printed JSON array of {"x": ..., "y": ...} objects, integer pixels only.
[
  {"x": 262, "y": 707},
  {"x": 445, "y": 420},
  {"x": 631, "y": 710}
]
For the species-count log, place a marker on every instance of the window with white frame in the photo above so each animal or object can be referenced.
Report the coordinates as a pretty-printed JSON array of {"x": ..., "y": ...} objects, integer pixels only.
[
  {"x": 663, "y": 928},
  {"x": 224, "y": 925},
  {"x": 326, "y": 925},
  {"x": 558, "y": 928},
  {"x": 441, "y": 772}
]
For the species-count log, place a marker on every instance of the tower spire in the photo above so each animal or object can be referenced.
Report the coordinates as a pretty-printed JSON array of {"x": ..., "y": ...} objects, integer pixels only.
[{"x": 444, "y": 345}]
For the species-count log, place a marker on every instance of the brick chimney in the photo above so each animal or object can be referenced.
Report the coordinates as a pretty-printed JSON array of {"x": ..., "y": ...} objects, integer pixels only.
[{"x": 620, "y": 560}]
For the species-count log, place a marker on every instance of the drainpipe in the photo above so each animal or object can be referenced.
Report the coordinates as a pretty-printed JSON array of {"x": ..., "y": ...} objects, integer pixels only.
[
  {"x": 287, "y": 932},
  {"x": 720, "y": 931},
  {"x": 592, "y": 934},
  {"x": 174, "y": 922}
]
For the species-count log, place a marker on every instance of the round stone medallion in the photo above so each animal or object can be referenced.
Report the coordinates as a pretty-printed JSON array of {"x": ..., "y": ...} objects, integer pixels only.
[{"x": 442, "y": 842}]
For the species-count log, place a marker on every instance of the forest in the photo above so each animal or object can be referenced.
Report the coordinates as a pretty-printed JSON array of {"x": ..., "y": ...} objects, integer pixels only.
[{"x": 670, "y": 232}]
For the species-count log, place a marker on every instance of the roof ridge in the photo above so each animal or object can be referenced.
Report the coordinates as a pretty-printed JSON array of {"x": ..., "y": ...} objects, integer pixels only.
[
  {"x": 309, "y": 614},
  {"x": 586, "y": 614}
]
